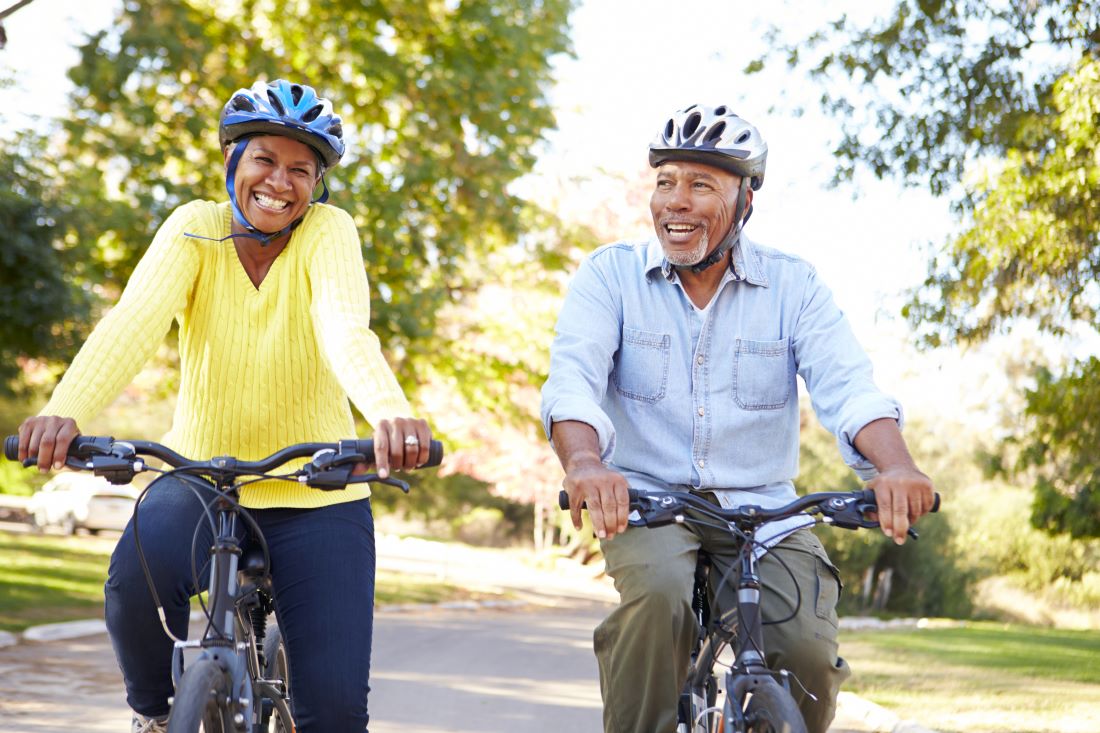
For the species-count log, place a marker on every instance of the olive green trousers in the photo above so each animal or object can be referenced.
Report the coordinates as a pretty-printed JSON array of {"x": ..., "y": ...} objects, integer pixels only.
[{"x": 644, "y": 645}]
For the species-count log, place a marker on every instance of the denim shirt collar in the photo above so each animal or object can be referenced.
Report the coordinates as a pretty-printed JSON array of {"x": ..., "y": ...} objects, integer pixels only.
[{"x": 745, "y": 262}]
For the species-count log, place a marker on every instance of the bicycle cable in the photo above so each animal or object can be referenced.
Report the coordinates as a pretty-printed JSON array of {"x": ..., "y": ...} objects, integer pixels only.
[{"x": 185, "y": 478}]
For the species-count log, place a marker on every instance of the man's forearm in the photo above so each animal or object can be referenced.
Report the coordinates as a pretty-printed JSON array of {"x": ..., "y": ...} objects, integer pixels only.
[
  {"x": 883, "y": 445},
  {"x": 576, "y": 443}
]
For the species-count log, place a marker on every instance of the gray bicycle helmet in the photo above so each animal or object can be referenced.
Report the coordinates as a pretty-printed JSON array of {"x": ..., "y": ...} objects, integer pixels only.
[{"x": 712, "y": 136}]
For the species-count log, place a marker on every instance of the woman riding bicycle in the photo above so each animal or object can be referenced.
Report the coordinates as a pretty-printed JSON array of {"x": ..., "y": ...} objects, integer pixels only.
[{"x": 273, "y": 306}]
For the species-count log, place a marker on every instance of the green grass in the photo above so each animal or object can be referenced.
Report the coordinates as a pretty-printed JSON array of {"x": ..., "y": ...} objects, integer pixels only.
[
  {"x": 982, "y": 678},
  {"x": 46, "y": 579}
]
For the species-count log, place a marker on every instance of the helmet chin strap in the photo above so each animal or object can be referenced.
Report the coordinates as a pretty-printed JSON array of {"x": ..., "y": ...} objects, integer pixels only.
[
  {"x": 731, "y": 237},
  {"x": 251, "y": 232}
]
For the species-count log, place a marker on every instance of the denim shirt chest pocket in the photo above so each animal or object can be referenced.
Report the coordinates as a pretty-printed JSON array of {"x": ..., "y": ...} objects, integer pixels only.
[
  {"x": 641, "y": 371},
  {"x": 762, "y": 374}
]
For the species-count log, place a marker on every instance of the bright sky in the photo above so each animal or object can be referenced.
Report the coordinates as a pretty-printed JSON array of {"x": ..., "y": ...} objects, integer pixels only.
[{"x": 636, "y": 63}]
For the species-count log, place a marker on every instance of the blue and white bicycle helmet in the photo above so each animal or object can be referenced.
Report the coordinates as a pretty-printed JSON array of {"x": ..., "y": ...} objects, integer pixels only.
[
  {"x": 712, "y": 136},
  {"x": 283, "y": 108}
]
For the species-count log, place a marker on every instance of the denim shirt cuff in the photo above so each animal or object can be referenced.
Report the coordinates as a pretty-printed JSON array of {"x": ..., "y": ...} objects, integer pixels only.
[
  {"x": 588, "y": 413},
  {"x": 884, "y": 407}
]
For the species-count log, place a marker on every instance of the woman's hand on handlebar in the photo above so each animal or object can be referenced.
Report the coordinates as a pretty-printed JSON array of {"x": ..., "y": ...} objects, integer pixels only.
[
  {"x": 48, "y": 437},
  {"x": 400, "y": 443},
  {"x": 603, "y": 492}
]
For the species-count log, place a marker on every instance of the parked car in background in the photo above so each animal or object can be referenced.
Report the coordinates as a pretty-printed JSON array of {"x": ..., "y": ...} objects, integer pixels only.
[{"x": 75, "y": 500}]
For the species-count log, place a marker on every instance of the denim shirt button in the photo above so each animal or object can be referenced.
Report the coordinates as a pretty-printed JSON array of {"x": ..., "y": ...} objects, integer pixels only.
[
  {"x": 702, "y": 463},
  {"x": 699, "y": 360},
  {"x": 700, "y": 412}
]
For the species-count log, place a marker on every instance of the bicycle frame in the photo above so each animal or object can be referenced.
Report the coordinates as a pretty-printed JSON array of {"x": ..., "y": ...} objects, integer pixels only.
[
  {"x": 231, "y": 646},
  {"x": 748, "y": 677},
  {"x": 229, "y": 639}
]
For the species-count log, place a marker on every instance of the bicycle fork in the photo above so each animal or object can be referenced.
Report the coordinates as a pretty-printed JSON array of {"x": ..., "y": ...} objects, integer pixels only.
[
  {"x": 221, "y": 642},
  {"x": 750, "y": 668}
]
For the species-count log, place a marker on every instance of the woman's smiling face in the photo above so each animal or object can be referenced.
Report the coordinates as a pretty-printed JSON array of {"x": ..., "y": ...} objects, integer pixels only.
[{"x": 274, "y": 181}]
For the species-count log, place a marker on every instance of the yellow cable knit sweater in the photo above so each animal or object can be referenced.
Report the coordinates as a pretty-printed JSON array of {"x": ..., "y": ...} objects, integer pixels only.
[{"x": 261, "y": 368}]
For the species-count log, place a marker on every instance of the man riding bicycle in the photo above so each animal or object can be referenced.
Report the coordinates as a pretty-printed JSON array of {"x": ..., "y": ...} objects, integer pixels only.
[
  {"x": 273, "y": 306},
  {"x": 673, "y": 368}
]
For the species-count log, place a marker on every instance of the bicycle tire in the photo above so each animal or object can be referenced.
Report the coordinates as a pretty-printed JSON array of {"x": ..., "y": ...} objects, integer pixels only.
[
  {"x": 201, "y": 701},
  {"x": 696, "y": 713},
  {"x": 277, "y": 667},
  {"x": 770, "y": 709}
]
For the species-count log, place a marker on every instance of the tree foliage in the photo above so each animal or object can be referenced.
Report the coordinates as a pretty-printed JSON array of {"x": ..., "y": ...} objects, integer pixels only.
[
  {"x": 443, "y": 104},
  {"x": 922, "y": 89},
  {"x": 999, "y": 104},
  {"x": 1063, "y": 450},
  {"x": 1031, "y": 248},
  {"x": 42, "y": 311}
]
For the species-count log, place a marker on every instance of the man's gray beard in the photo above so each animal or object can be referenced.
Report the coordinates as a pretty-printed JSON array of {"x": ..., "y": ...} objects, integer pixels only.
[{"x": 692, "y": 257}]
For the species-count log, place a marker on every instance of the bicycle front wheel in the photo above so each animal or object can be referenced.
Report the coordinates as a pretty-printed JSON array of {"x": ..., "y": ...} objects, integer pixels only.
[
  {"x": 769, "y": 709},
  {"x": 202, "y": 701},
  {"x": 276, "y": 668}
]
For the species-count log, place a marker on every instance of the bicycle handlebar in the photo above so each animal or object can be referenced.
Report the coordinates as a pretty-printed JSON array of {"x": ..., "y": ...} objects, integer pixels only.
[
  {"x": 847, "y": 509},
  {"x": 116, "y": 459}
]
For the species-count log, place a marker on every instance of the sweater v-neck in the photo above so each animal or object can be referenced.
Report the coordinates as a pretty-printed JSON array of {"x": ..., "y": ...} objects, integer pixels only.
[
  {"x": 275, "y": 264},
  {"x": 243, "y": 271}
]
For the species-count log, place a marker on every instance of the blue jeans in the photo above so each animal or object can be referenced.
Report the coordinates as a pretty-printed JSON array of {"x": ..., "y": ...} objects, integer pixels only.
[{"x": 322, "y": 568}]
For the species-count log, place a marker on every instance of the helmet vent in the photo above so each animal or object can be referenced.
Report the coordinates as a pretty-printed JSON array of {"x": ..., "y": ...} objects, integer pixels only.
[
  {"x": 692, "y": 124},
  {"x": 276, "y": 103},
  {"x": 312, "y": 114},
  {"x": 243, "y": 104},
  {"x": 670, "y": 127},
  {"x": 714, "y": 134},
  {"x": 296, "y": 94},
  {"x": 721, "y": 111},
  {"x": 743, "y": 138}
]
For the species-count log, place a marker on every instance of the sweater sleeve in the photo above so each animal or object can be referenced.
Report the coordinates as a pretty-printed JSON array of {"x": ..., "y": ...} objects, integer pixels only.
[
  {"x": 340, "y": 310},
  {"x": 124, "y": 340}
]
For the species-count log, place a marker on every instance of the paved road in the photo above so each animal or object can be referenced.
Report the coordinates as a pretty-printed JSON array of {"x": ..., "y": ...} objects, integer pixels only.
[
  {"x": 435, "y": 671},
  {"x": 451, "y": 671},
  {"x": 525, "y": 667}
]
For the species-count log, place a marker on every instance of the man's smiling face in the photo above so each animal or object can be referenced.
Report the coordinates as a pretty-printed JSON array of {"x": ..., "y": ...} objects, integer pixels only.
[{"x": 693, "y": 206}]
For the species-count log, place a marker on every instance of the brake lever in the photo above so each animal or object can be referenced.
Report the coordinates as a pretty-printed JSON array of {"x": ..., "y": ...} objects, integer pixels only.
[
  {"x": 853, "y": 515},
  {"x": 655, "y": 511}
]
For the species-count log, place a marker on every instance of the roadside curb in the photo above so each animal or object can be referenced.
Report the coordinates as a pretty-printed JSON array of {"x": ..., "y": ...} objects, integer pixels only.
[
  {"x": 67, "y": 630},
  {"x": 874, "y": 717}
]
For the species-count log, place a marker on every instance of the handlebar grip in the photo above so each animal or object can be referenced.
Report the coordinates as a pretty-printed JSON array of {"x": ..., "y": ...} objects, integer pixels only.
[
  {"x": 435, "y": 452},
  {"x": 869, "y": 496},
  {"x": 563, "y": 499},
  {"x": 11, "y": 446}
]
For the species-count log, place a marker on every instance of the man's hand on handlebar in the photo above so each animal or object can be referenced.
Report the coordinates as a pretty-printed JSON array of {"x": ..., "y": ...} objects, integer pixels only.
[
  {"x": 603, "y": 492},
  {"x": 903, "y": 495},
  {"x": 48, "y": 437},
  {"x": 399, "y": 444}
]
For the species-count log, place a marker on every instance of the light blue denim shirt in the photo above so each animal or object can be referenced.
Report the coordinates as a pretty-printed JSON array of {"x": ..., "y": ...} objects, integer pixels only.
[{"x": 707, "y": 398}]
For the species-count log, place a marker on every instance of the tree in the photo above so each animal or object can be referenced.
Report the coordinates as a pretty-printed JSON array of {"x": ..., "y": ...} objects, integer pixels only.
[
  {"x": 42, "y": 312},
  {"x": 998, "y": 104},
  {"x": 443, "y": 105}
]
